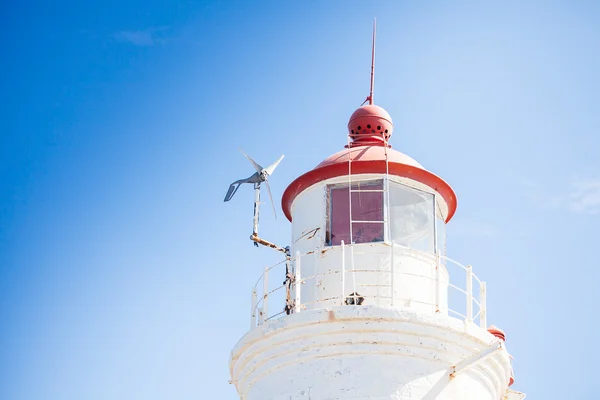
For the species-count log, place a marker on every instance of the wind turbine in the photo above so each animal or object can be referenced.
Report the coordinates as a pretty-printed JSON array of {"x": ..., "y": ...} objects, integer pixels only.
[{"x": 261, "y": 175}]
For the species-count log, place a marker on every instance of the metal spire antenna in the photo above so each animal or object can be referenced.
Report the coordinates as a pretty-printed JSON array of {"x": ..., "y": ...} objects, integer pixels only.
[
  {"x": 373, "y": 61},
  {"x": 370, "y": 97}
]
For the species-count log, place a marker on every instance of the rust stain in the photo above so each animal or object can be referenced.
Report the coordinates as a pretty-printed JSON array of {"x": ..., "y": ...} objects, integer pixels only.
[
  {"x": 331, "y": 316},
  {"x": 266, "y": 243},
  {"x": 308, "y": 234},
  {"x": 314, "y": 233}
]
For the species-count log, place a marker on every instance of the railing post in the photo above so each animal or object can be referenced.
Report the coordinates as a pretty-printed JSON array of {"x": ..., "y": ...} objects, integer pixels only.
[
  {"x": 483, "y": 309},
  {"x": 437, "y": 283},
  {"x": 297, "y": 283},
  {"x": 343, "y": 272},
  {"x": 265, "y": 306},
  {"x": 469, "y": 294},
  {"x": 261, "y": 316},
  {"x": 253, "y": 309},
  {"x": 392, "y": 273}
]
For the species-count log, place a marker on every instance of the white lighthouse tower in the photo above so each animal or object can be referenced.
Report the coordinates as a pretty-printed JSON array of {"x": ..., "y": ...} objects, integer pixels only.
[{"x": 371, "y": 307}]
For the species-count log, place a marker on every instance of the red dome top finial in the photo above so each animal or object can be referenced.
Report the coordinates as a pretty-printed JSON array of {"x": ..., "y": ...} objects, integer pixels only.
[{"x": 370, "y": 125}]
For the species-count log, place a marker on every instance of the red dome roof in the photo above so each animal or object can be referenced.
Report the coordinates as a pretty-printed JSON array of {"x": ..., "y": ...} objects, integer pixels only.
[
  {"x": 368, "y": 153},
  {"x": 369, "y": 128}
]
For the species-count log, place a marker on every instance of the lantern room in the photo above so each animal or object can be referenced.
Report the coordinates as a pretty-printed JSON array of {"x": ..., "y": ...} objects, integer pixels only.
[{"x": 376, "y": 210}]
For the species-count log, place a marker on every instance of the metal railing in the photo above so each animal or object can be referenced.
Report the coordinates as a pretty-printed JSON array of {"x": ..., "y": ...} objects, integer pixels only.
[{"x": 466, "y": 295}]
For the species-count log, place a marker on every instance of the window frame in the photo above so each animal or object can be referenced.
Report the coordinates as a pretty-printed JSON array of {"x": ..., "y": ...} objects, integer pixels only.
[{"x": 381, "y": 182}]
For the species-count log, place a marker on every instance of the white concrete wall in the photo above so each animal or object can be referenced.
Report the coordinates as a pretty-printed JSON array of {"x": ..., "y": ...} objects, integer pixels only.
[
  {"x": 365, "y": 353},
  {"x": 412, "y": 279}
]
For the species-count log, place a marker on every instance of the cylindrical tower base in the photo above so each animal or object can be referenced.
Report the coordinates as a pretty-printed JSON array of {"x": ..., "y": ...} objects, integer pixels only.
[{"x": 375, "y": 353}]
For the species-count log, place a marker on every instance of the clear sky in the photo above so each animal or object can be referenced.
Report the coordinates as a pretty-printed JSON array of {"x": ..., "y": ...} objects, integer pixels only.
[{"x": 123, "y": 275}]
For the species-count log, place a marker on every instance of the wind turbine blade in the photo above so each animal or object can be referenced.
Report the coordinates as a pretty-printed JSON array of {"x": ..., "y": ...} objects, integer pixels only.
[
  {"x": 272, "y": 167},
  {"x": 271, "y": 197},
  {"x": 231, "y": 191},
  {"x": 256, "y": 165}
]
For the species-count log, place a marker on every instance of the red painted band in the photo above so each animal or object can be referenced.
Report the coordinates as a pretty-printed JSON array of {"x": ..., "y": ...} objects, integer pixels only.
[{"x": 367, "y": 167}]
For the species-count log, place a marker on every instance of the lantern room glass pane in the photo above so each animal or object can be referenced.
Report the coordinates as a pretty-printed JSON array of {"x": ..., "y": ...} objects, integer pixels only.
[
  {"x": 367, "y": 213},
  {"x": 412, "y": 215}
]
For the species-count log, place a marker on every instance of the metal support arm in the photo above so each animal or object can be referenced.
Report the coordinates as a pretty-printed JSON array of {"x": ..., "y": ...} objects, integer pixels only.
[{"x": 476, "y": 359}]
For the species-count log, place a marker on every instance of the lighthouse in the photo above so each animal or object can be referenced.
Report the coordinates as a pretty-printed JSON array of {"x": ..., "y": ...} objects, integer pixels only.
[{"x": 365, "y": 303}]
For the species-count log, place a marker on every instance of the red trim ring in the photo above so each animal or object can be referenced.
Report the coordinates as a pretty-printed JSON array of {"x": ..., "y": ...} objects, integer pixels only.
[{"x": 368, "y": 167}]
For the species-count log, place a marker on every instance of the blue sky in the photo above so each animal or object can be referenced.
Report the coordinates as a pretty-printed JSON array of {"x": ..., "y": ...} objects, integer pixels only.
[{"x": 123, "y": 275}]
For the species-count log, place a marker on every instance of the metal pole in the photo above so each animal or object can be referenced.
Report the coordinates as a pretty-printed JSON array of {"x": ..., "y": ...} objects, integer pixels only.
[
  {"x": 288, "y": 285},
  {"x": 353, "y": 269},
  {"x": 261, "y": 316},
  {"x": 437, "y": 283},
  {"x": 476, "y": 359},
  {"x": 483, "y": 310},
  {"x": 266, "y": 292},
  {"x": 469, "y": 293},
  {"x": 343, "y": 271},
  {"x": 256, "y": 208},
  {"x": 373, "y": 63},
  {"x": 297, "y": 283},
  {"x": 438, "y": 257},
  {"x": 392, "y": 268},
  {"x": 266, "y": 243},
  {"x": 253, "y": 310},
  {"x": 436, "y": 250}
]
